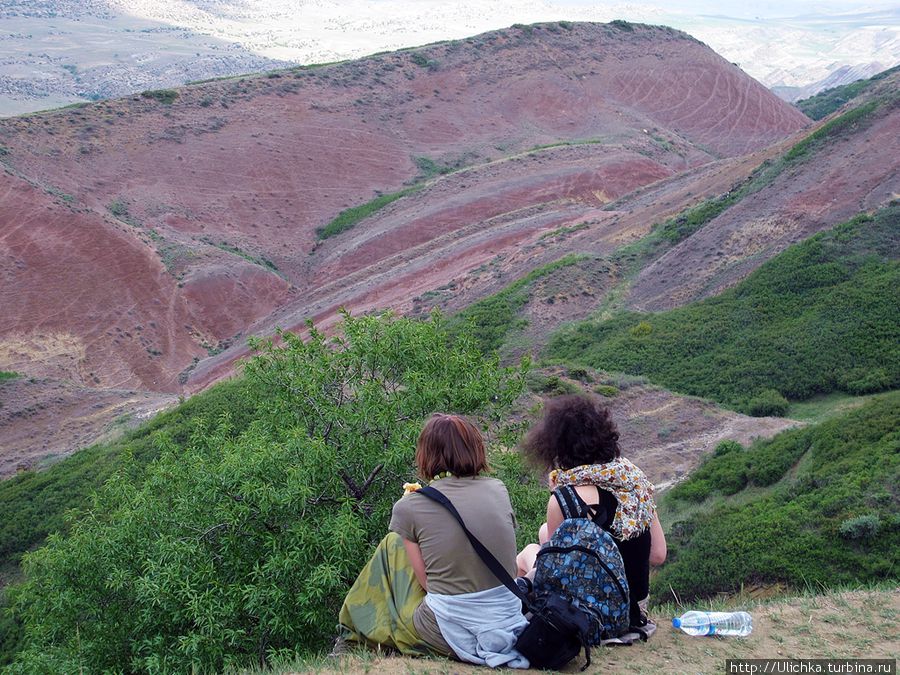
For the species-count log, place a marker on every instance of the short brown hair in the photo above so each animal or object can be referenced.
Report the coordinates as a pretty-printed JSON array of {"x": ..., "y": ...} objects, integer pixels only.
[
  {"x": 574, "y": 430},
  {"x": 450, "y": 443}
]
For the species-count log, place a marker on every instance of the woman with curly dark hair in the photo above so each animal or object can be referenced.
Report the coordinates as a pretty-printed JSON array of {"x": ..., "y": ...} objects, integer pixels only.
[{"x": 577, "y": 441}]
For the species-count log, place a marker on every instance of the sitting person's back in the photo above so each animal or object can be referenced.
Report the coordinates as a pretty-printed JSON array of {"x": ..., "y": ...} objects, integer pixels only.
[
  {"x": 578, "y": 440},
  {"x": 467, "y": 612}
]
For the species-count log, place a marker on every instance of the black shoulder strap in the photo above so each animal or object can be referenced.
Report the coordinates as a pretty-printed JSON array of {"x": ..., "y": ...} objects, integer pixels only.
[
  {"x": 573, "y": 506},
  {"x": 493, "y": 564}
]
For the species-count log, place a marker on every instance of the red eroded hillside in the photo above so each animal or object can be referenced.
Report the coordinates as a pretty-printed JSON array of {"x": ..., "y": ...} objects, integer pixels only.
[
  {"x": 852, "y": 170},
  {"x": 140, "y": 237}
]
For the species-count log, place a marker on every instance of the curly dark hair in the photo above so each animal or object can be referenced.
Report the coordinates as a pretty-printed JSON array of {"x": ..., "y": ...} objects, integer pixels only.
[{"x": 573, "y": 430}]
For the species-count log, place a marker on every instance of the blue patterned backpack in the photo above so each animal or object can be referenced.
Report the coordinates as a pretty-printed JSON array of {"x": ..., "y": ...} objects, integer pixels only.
[{"x": 582, "y": 563}]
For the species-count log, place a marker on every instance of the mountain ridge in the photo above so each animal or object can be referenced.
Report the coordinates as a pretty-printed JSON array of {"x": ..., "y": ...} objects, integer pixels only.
[{"x": 152, "y": 175}]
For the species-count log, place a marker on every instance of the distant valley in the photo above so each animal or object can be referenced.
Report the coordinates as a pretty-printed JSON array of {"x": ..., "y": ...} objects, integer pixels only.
[{"x": 56, "y": 52}]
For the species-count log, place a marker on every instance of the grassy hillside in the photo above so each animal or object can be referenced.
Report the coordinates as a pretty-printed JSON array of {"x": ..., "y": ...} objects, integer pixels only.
[
  {"x": 826, "y": 102},
  {"x": 490, "y": 320},
  {"x": 812, "y": 507},
  {"x": 34, "y": 503},
  {"x": 820, "y": 317}
]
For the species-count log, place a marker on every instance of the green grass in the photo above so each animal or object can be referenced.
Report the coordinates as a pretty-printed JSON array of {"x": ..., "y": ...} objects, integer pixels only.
[
  {"x": 350, "y": 217},
  {"x": 784, "y": 510},
  {"x": 823, "y": 407},
  {"x": 494, "y": 317},
  {"x": 8, "y": 375},
  {"x": 818, "y": 318},
  {"x": 826, "y": 102}
]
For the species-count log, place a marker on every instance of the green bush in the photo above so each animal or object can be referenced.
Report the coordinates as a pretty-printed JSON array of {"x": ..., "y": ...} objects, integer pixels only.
[
  {"x": 551, "y": 385},
  {"x": 809, "y": 485},
  {"x": 166, "y": 96},
  {"x": 237, "y": 546},
  {"x": 861, "y": 527},
  {"x": 826, "y": 102},
  {"x": 580, "y": 374},
  {"x": 767, "y": 402},
  {"x": 820, "y": 317},
  {"x": 725, "y": 447},
  {"x": 606, "y": 390},
  {"x": 348, "y": 218}
]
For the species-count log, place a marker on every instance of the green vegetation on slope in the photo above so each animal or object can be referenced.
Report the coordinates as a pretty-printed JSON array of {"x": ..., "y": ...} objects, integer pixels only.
[
  {"x": 350, "y": 217},
  {"x": 820, "y": 317},
  {"x": 826, "y": 102},
  {"x": 166, "y": 96},
  {"x": 8, "y": 375},
  {"x": 811, "y": 507},
  {"x": 237, "y": 546},
  {"x": 491, "y": 319},
  {"x": 34, "y": 503}
]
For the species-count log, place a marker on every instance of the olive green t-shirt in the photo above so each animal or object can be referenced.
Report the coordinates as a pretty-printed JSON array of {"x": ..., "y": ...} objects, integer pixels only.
[{"x": 452, "y": 566}]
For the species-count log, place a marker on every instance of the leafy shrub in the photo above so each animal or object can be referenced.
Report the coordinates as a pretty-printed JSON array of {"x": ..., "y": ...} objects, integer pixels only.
[
  {"x": 606, "y": 390},
  {"x": 580, "y": 374},
  {"x": 725, "y": 447},
  {"x": 550, "y": 385},
  {"x": 166, "y": 96},
  {"x": 788, "y": 531},
  {"x": 767, "y": 402},
  {"x": 641, "y": 329},
  {"x": 817, "y": 318},
  {"x": 621, "y": 24},
  {"x": 861, "y": 527},
  {"x": 239, "y": 545},
  {"x": 347, "y": 218},
  {"x": 826, "y": 102}
]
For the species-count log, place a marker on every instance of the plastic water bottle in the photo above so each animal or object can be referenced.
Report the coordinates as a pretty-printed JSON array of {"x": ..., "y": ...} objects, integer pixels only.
[{"x": 714, "y": 623}]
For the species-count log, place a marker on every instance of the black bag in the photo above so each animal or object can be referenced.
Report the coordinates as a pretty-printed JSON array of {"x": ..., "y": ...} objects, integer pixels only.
[
  {"x": 555, "y": 634},
  {"x": 557, "y": 629}
]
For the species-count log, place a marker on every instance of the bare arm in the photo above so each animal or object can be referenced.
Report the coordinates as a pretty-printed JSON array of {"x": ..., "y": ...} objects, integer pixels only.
[
  {"x": 415, "y": 559},
  {"x": 657, "y": 542},
  {"x": 554, "y": 515}
]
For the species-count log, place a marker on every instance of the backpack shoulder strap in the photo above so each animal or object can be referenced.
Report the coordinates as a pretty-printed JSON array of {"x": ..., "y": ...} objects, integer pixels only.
[{"x": 573, "y": 506}]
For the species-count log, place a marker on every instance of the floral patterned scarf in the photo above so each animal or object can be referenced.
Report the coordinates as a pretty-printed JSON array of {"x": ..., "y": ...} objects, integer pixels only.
[{"x": 629, "y": 486}]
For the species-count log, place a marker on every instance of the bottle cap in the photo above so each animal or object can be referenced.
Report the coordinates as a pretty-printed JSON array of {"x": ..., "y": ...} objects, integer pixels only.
[{"x": 676, "y": 622}]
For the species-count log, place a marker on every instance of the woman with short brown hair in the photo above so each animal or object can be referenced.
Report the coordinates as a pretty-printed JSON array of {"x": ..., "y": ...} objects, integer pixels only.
[{"x": 426, "y": 590}]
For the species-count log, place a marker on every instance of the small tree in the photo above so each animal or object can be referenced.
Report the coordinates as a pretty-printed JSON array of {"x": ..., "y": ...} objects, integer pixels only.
[{"x": 241, "y": 546}]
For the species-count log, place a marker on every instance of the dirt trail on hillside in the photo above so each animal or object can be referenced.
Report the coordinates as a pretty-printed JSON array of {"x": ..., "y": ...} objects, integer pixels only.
[{"x": 854, "y": 624}]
